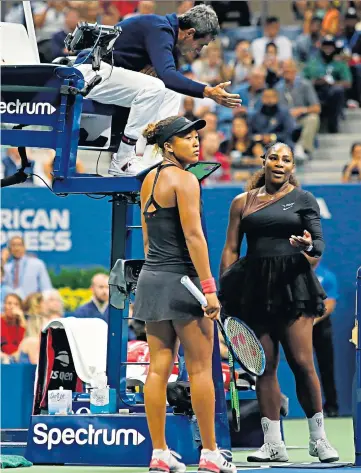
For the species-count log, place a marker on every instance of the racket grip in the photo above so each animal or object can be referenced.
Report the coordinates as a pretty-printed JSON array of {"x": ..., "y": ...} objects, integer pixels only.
[
  {"x": 193, "y": 289},
  {"x": 235, "y": 421}
]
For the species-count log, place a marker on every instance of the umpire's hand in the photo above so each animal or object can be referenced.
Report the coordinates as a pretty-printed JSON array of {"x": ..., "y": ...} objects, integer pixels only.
[{"x": 219, "y": 95}]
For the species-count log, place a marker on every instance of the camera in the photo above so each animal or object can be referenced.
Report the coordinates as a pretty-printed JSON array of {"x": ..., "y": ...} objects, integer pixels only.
[{"x": 99, "y": 39}]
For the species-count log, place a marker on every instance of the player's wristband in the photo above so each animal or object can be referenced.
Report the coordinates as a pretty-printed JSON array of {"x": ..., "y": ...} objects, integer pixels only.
[
  {"x": 209, "y": 286},
  {"x": 309, "y": 248}
]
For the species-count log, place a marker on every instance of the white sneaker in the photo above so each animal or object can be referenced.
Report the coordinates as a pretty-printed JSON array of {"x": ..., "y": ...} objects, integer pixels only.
[
  {"x": 215, "y": 462},
  {"x": 270, "y": 452},
  {"x": 166, "y": 461},
  {"x": 118, "y": 166},
  {"x": 138, "y": 164},
  {"x": 322, "y": 449}
]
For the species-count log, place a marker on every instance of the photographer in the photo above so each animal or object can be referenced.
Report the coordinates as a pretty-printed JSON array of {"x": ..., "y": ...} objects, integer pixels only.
[{"x": 145, "y": 76}]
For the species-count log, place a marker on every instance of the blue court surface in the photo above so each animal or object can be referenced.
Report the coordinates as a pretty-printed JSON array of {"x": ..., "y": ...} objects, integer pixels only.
[{"x": 339, "y": 431}]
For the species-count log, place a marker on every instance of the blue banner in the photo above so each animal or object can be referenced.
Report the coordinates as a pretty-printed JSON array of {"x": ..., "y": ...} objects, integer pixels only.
[{"x": 107, "y": 440}]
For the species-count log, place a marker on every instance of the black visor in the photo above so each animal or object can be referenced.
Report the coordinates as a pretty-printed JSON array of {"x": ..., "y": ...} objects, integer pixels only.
[{"x": 180, "y": 125}]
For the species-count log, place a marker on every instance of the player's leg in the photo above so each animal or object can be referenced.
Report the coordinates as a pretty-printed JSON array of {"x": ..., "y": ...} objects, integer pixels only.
[
  {"x": 142, "y": 93},
  {"x": 163, "y": 347},
  {"x": 269, "y": 399},
  {"x": 151, "y": 154},
  {"x": 296, "y": 340},
  {"x": 196, "y": 337}
]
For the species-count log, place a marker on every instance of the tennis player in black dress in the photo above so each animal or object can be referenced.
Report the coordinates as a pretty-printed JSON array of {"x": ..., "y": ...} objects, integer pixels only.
[
  {"x": 174, "y": 245},
  {"x": 275, "y": 291}
]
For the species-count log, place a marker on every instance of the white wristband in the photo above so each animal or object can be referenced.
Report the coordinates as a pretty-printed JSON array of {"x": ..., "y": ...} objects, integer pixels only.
[{"x": 309, "y": 248}]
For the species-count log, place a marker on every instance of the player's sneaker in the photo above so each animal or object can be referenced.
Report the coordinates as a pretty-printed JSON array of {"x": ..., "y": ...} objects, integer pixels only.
[
  {"x": 270, "y": 452},
  {"x": 119, "y": 165},
  {"x": 214, "y": 462},
  {"x": 322, "y": 449},
  {"x": 166, "y": 461}
]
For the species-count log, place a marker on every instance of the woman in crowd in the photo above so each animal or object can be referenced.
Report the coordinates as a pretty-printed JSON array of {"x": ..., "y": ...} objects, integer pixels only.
[{"x": 13, "y": 324}]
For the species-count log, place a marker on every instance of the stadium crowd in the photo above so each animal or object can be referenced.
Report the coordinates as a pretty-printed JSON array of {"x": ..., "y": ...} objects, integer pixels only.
[{"x": 294, "y": 81}]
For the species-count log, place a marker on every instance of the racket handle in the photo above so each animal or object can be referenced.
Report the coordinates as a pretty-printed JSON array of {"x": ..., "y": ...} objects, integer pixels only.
[
  {"x": 236, "y": 421},
  {"x": 193, "y": 289}
]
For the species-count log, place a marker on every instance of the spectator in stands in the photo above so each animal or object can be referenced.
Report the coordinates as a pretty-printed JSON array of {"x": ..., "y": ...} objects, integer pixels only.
[
  {"x": 272, "y": 65},
  {"x": 251, "y": 92},
  {"x": 25, "y": 274},
  {"x": 210, "y": 68},
  {"x": 98, "y": 307},
  {"x": 90, "y": 10},
  {"x": 299, "y": 8},
  {"x": 144, "y": 7},
  {"x": 13, "y": 324},
  {"x": 201, "y": 105},
  {"x": 322, "y": 337},
  {"x": 48, "y": 166},
  {"x": 271, "y": 34},
  {"x": 110, "y": 14},
  {"x": 53, "y": 305},
  {"x": 223, "y": 8},
  {"x": 352, "y": 171},
  {"x": 48, "y": 20},
  {"x": 331, "y": 78},
  {"x": 211, "y": 125},
  {"x": 184, "y": 6},
  {"x": 124, "y": 7},
  {"x": 12, "y": 162},
  {"x": 34, "y": 309},
  {"x": 4, "y": 288},
  {"x": 209, "y": 151},
  {"x": 245, "y": 153},
  {"x": 330, "y": 16},
  {"x": 351, "y": 39},
  {"x": 132, "y": 82},
  {"x": 189, "y": 109},
  {"x": 28, "y": 351},
  {"x": 308, "y": 44},
  {"x": 58, "y": 48},
  {"x": 299, "y": 95},
  {"x": 272, "y": 122},
  {"x": 242, "y": 65}
]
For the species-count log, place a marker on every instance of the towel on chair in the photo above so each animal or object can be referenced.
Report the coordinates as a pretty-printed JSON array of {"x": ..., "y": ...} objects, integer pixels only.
[{"x": 88, "y": 344}]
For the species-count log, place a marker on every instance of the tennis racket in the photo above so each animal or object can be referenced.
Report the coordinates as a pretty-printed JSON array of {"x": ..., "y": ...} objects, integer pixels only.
[
  {"x": 236, "y": 414},
  {"x": 243, "y": 346}
]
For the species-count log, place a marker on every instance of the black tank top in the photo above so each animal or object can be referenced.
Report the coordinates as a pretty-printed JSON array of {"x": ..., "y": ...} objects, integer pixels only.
[{"x": 167, "y": 249}]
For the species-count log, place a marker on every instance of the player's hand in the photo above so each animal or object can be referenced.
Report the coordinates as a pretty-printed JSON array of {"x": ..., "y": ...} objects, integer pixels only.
[
  {"x": 221, "y": 96},
  {"x": 302, "y": 242},
  {"x": 213, "y": 308}
]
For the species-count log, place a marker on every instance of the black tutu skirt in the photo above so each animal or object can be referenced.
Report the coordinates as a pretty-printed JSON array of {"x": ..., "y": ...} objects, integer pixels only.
[{"x": 265, "y": 292}]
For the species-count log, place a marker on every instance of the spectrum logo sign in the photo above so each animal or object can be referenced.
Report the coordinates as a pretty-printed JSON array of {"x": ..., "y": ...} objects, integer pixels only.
[
  {"x": 19, "y": 108},
  {"x": 89, "y": 435}
]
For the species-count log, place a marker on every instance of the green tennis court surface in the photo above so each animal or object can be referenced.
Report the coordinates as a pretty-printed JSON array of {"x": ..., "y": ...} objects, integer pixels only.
[{"x": 339, "y": 432}]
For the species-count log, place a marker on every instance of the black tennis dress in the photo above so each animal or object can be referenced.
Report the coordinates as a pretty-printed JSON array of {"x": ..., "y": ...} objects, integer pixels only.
[
  {"x": 274, "y": 283},
  {"x": 160, "y": 294}
]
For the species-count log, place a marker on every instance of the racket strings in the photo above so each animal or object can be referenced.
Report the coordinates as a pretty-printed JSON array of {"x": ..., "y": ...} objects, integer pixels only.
[{"x": 245, "y": 346}]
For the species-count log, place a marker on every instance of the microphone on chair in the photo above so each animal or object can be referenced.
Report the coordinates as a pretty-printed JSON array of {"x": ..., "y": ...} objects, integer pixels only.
[{"x": 17, "y": 178}]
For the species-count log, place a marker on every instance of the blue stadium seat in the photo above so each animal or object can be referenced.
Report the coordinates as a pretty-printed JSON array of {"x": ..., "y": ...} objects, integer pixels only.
[
  {"x": 291, "y": 31},
  {"x": 231, "y": 36}
]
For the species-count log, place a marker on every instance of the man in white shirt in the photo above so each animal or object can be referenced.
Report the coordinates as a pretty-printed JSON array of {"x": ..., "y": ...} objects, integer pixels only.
[{"x": 271, "y": 30}]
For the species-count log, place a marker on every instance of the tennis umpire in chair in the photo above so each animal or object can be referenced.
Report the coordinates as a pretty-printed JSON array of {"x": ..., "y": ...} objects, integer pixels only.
[{"x": 142, "y": 75}]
